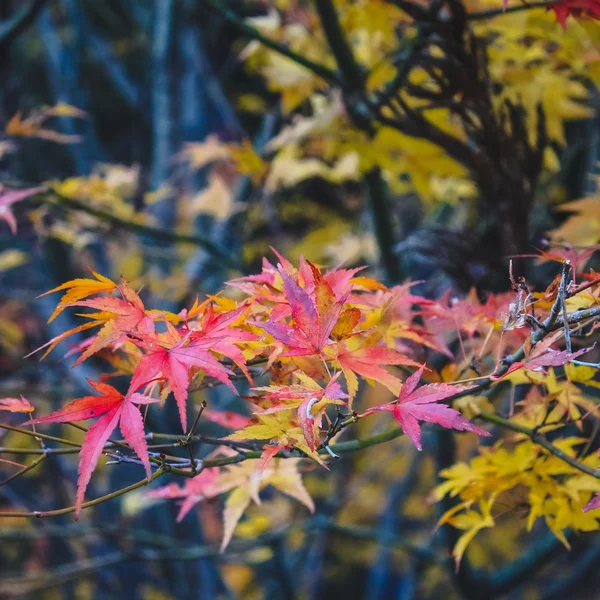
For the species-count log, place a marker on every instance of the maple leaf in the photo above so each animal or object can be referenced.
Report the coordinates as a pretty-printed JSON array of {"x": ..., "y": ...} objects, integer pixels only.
[
  {"x": 193, "y": 491},
  {"x": 367, "y": 362},
  {"x": 10, "y": 197},
  {"x": 543, "y": 356},
  {"x": 16, "y": 405},
  {"x": 592, "y": 504},
  {"x": 117, "y": 316},
  {"x": 314, "y": 318},
  {"x": 113, "y": 409},
  {"x": 121, "y": 316},
  {"x": 281, "y": 429},
  {"x": 78, "y": 289},
  {"x": 32, "y": 126},
  {"x": 416, "y": 404},
  {"x": 309, "y": 398},
  {"x": 170, "y": 357},
  {"x": 246, "y": 482},
  {"x": 589, "y": 9},
  {"x": 460, "y": 314},
  {"x": 471, "y": 522},
  {"x": 392, "y": 319},
  {"x": 563, "y": 251},
  {"x": 226, "y": 418},
  {"x": 217, "y": 332}
]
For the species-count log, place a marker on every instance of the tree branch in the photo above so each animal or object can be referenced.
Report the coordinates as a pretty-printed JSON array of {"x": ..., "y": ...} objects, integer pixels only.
[
  {"x": 540, "y": 440},
  {"x": 498, "y": 12},
  {"x": 233, "y": 19},
  {"x": 353, "y": 85},
  {"x": 70, "y": 509},
  {"x": 22, "y": 19},
  {"x": 157, "y": 233},
  {"x": 353, "y": 78}
]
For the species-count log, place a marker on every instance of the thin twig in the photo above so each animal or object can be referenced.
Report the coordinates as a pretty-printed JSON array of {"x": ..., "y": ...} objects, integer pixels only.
[
  {"x": 188, "y": 439},
  {"x": 24, "y": 470},
  {"x": 65, "y": 511}
]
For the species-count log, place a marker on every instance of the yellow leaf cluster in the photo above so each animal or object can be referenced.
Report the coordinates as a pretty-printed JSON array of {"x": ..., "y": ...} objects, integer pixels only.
[
  {"x": 553, "y": 490},
  {"x": 582, "y": 227},
  {"x": 531, "y": 61}
]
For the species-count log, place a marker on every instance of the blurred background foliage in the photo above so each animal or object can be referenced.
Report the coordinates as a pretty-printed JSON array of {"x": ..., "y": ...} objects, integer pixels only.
[{"x": 176, "y": 149}]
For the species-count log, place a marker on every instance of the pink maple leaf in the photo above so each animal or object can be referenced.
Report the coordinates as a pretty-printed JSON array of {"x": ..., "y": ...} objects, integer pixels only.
[
  {"x": 204, "y": 485},
  {"x": 10, "y": 197},
  {"x": 113, "y": 409},
  {"x": 417, "y": 404},
  {"x": 170, "y": 358}
]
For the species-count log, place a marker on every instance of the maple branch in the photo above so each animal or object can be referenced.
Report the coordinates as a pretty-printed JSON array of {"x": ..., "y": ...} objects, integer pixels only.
[
  {"x": 498, "y": 12},
  {"x": 36, "y": 434},
  {"x": 171, "y": 549},
  {"x": 58, "y": 576},
  {"x": 76, "y": 447},
  {"x": 233, "y": 19},
  {"x": 388, "y": 539},
  {"x": 24, "y": 470},
  {"x": 378, "y": 201},
  {"x": 70, "y": 509},
  {"x": 535, "y": 337},
  {"x": 558, "y": 305},
  {"x": 584, "y": 286},
  {"x": 188, "y": 438},
  {"x": 158, "y": 233},
  {"x": 540, "y": 440},
  {"x": 204, "y": 439},
  {"x": 352, "y": 75},
  {"x": 339, "y": 448},
  {"x": 33, "y": 451}
]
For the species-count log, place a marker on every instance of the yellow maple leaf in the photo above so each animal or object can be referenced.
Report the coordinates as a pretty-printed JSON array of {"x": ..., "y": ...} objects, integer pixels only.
[
  {"x": 246, "y": 483},
  {"x": 471, "y": 522},
  {"x": 78, "y": 289}
]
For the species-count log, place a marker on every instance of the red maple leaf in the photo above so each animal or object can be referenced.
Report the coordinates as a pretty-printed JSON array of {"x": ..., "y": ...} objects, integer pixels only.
[
  {"x": 415, "y": 404},
  {"x": 216, "y": 332},
  {"x": 583, "y": 9},
  {"x": 171, "y": 356},
  {"x": 314, "y": 315},
  {"x": 367, "y": 362},
  {"x": 460, "y": 314},
  {"x": 226, "y": 418},
  {"x": 16, "y": 404},
  {"x": 542, "y": 356},
  {"x": 117, "y": 317},
  {"x": 113, "y": 409},
  {"x": 123, "y": 316}
]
